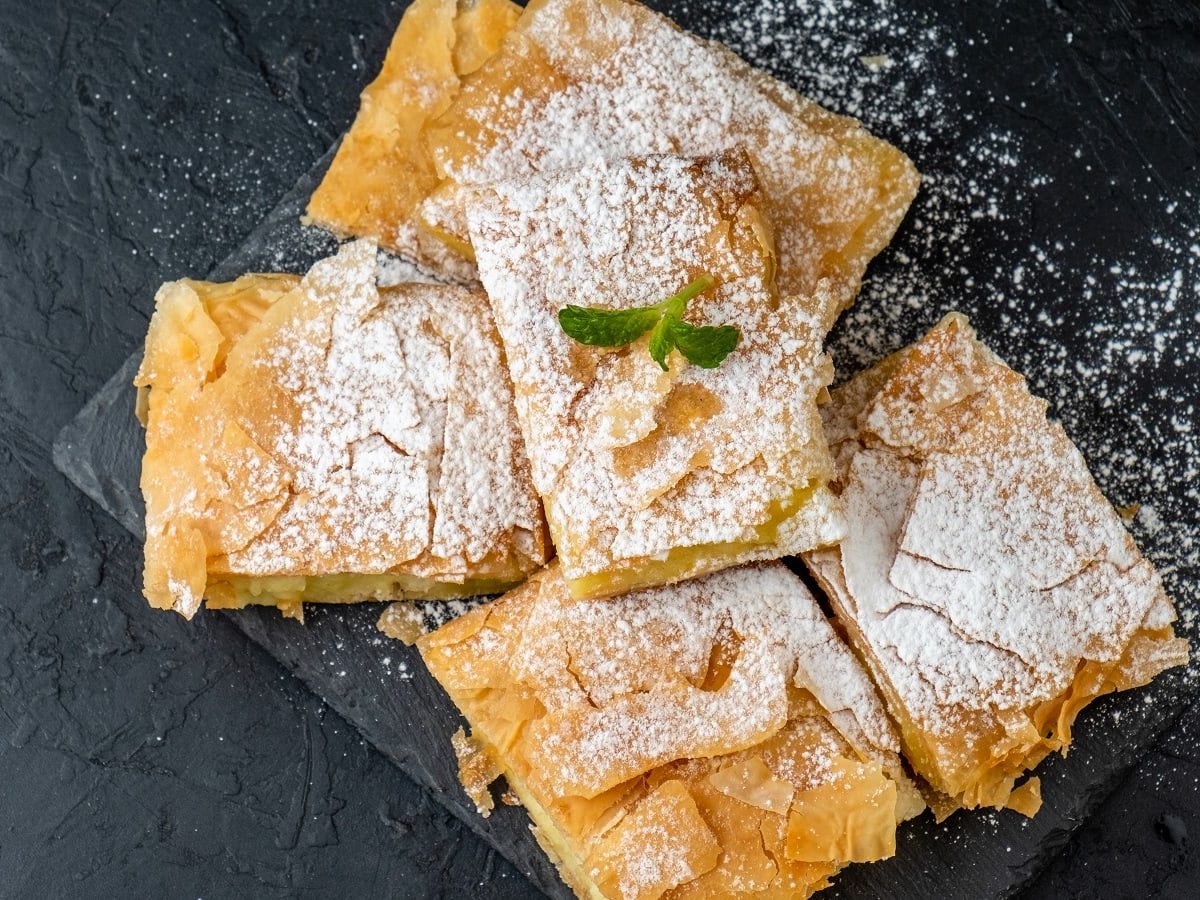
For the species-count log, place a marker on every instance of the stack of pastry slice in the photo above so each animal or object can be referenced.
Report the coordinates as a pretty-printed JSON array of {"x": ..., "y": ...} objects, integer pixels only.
[{"x": 671, "y": 705}]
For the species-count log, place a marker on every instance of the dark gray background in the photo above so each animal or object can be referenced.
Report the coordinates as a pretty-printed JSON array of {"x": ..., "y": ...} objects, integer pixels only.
[{"x": 142, "y": 755}]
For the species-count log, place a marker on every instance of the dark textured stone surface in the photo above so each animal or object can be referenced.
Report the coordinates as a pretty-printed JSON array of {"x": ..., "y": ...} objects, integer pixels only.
[
  {"x": 340, "y": 655},
  {"x": 1143, "y": 840},
  {"x": 141, "y": 144}
]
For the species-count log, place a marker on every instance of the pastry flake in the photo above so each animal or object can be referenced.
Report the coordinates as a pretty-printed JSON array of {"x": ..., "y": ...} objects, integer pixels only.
[
  {"x": 578, "y": 80},
  {"x": 382, "y": 169},
  {"x": 991, "y": 588},
  {"x": 649, "y": 476},
  {"x": 710, "y": 738},
  {"x": 325, "y": 440}
]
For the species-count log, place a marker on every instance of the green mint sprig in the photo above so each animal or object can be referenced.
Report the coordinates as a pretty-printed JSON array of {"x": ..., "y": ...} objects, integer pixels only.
[{"x": 702, "y": 345}]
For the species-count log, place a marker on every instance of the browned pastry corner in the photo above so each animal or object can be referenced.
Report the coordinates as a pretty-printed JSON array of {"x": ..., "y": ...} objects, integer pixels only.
[{"x": 383, "y": 169}]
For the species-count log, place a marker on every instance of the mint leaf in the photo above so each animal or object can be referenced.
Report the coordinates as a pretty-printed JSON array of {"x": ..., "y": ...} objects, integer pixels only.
[
  {"x": 662, "y": 340},
  {"x": 607, "y": 327},
  {"x": 705, "y": 346},
  {"x": 678, "y": 302}
]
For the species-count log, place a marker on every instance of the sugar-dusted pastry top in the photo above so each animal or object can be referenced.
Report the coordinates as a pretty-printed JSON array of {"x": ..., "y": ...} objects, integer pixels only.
[
  {"x": 651, "y": 476},
  {"x": 710, "y": 737},
  {"x": 327, "y": 429},
  {"x": 578, "y": 80},
  {"x": 992, "y": 588},
  {"x": 383, "y": 170}
]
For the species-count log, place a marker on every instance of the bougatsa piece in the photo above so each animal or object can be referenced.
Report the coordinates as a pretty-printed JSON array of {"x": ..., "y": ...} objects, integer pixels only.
[
  {"x": 326, "y": 440},
  {"x": 990, "y": 586},
  {"x": 383, "y": 169},
  {"x": 577, "y": 80},
  {"x": 708, "y": 739},
  {"x": 653, "y": 476}
]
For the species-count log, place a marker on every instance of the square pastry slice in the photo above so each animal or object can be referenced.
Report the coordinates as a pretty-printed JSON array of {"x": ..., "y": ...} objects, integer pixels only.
[
  {"x": 651, "y": 477},
  {"x": 577, "y": 80},
  {"x": 383, "y": 169},
  {"x": 709, "y": 739},
  {"x": 989, "y": 585},
  {"x": 325, "y": 440}
]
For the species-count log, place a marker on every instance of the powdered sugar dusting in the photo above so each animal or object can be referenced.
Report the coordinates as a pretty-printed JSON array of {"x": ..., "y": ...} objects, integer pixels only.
[
  {"x": 595, "y": 79},
  {"x": 631, "y": 461},
  {"x": 642, "y": 726},
  {"x": 391, "y": 413},
  {"x": 622, "y": 679},
  {"x": 982, "y": 566},
  {"x": 663, "y": 842}
]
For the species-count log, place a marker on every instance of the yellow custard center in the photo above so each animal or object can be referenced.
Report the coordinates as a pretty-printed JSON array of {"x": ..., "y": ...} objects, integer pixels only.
[{"x": 688, "y": 562}]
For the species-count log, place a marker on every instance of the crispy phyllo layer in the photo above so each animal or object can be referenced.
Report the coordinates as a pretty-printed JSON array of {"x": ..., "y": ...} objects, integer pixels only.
[
  {"x": 653, "y": 476},
  {"x": 991, "y": 588},
  {"x": 707, "y": 739},
  {"x": 580, "y": 80},
  {"x": 383, "y": 169},
  {"x": 324, "y": 440}
]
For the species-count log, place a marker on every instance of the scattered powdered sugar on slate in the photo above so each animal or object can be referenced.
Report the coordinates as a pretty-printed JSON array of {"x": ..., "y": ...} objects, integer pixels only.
[
  {"x": 867, "y": 60},
  {"x": 1110, "y": 340},
  {"x": 430, "y": 615}
]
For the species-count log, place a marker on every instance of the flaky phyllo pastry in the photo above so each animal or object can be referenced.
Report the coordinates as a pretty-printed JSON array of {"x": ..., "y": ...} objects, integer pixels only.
[
  {"x": 991, "y": 588},
  {"x": 325, "y": 440},
  {"x": 648, "y": 476},
  {"x": 703, "y": 740},
  {"x": 579, "y": 80},
  {"x": 383, "y": 170}
]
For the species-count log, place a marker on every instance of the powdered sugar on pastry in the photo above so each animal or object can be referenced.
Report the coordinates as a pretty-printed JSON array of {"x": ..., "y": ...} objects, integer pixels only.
[
  {"x": 373, "y": 431},
  {"x": 984, "y": 574},
  {"x": 580, "y": 80},
  {"x": 634, "y": 666},
  {"x": 634, "y": 463},
  {"x": 730, "y": 694},
  {"x": 931, "y": 663}
]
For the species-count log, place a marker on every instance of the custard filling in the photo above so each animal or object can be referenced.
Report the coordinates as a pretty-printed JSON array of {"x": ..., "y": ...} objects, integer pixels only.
[
  {"x": 687, "y": 562},
  {"x": 291, "y": 592}
]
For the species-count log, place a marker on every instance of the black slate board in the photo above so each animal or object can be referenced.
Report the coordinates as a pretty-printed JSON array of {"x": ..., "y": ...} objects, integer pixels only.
[{"x": 1059, "y": 101}]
